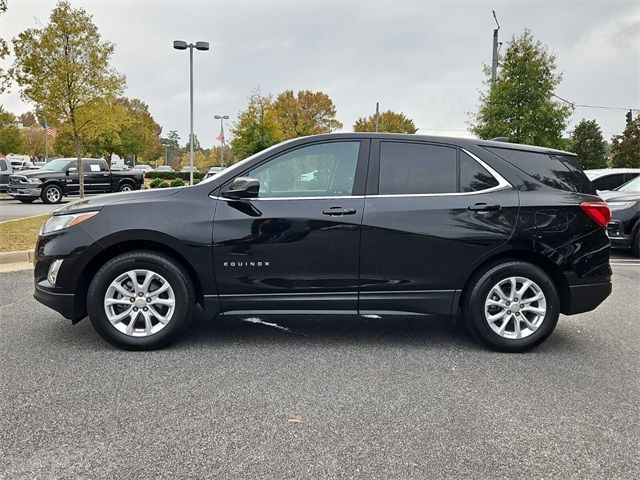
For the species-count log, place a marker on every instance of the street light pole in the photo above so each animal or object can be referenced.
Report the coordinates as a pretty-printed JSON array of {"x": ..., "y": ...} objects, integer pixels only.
[
  {"x": 182, "y": 45},
  {"x": 221, "y": 137}
]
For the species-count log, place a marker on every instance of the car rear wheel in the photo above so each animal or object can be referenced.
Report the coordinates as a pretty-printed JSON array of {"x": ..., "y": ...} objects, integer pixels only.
[
  {"x": 51, "y": 194},
  {"x": 125, "y": 187},
  {"x": 512, "y": 306},
  {"x": 140, "y": 300},
  {"x": 635, "y": 244}
]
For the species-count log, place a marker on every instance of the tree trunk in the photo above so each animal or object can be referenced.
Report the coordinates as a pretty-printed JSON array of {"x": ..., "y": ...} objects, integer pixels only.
[{"x": 80, "y": 169}]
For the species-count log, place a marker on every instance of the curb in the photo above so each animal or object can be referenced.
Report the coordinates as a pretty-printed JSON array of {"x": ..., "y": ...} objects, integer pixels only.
[
  {"x": 16, "y": 257},
  {"x": 23, "y": 218}
]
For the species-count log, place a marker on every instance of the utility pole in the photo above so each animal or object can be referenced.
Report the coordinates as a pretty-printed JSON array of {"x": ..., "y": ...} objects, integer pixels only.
[
  {"x": 377, "y": 116},
  {"x": 166, "y": 154},
  {"x": 496, "y": 45}
]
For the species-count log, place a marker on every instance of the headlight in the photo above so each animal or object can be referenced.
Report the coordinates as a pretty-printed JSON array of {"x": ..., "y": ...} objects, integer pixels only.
[
  {"x": 620, "y": 205},
  {"x": 34, "y": 180},
  {"x": 58, "y": 222}
]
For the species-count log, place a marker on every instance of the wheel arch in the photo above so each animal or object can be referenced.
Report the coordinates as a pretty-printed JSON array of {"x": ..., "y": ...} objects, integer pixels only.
[
  {"x": 534, "y": 258},
  {"x": 116, "y": 248}
]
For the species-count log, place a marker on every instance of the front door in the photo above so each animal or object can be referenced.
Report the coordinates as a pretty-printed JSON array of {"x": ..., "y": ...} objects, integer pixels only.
[
  {"x": 431, "y": 212},
  {"x": 296, "y": 246},
  {"x": 97, "y": 178}
]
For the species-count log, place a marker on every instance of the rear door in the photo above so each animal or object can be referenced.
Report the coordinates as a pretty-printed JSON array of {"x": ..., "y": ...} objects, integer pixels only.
[
  {"x": 97, "y": 178},
  {"x": 431, "y": 211},
  {"x": 296, "y": 246}
]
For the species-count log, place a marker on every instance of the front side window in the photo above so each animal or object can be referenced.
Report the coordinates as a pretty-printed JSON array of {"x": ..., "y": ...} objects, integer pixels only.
[{"x": 322, "y": 170}]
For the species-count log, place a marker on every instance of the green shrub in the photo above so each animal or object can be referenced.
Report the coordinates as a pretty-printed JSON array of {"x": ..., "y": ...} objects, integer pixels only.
[
  {"x": 173, "y": 175},
  {"x": 177, "y": 182},
  {"x": 156, "y": 182},
  {"x": 164, "y": 185}
]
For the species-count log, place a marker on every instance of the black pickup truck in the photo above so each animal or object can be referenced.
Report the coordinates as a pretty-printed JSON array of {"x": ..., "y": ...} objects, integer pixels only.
[{"x": 60, "y": 177}]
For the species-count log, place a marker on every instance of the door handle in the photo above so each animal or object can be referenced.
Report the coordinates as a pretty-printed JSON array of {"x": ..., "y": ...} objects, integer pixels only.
[
  {"x": 483, "y": 207},
  {"x": 338, "y": 211}
]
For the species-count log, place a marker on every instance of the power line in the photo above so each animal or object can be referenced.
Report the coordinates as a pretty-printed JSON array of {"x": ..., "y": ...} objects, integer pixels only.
[{"x": 582, "y": 105}]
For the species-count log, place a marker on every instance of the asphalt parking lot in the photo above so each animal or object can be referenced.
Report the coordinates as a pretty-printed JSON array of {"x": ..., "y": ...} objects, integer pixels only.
[
  {"x": 388, "y": 398},
  {"x": 11, "y": 209}
]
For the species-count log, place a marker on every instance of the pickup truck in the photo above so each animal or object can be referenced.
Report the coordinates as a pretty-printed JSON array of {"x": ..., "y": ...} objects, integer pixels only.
[{"x": 60, "y": 177}]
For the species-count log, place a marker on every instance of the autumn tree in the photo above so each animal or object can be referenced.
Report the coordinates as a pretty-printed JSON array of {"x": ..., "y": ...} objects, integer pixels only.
[
  {"x": 519, "y": 104},
  {"x": 625, "y": 148},
  {"x": 588, "y": 143},
  {"x": 10, "y": 138},
  {"x": 63, "y": 68},
  {"x": 305, "y": 113},
  {"x": 5, "y": 75},
  {"x": 257, "y": 127},
  {"x": 388, "y": 121}
]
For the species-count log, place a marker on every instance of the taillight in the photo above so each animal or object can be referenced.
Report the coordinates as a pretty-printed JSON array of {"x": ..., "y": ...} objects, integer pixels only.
[{"x": 598, "y": 212}]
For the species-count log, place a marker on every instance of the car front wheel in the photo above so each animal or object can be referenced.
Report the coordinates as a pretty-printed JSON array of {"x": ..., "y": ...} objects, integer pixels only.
[
  {"x": 51, "y": 194},
  {"x": 140, "y": 300},
  {"x": 512, "y": 306},
  {"x": 125, "y": 187}
]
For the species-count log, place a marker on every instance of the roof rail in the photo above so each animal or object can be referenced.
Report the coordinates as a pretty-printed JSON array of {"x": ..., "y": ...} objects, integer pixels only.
[{"x": 500, "y": 139}]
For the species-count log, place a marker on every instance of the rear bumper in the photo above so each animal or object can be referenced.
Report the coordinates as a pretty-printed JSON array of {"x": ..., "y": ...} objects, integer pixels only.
[{"x": 584, "y": 298}]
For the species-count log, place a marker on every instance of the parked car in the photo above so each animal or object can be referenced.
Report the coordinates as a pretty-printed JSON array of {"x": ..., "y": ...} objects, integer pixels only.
[
  {"x": 624, "y": 226},
  {"x": 611, "y": 178},
  {"x": 504, "y": 236},
  {"x": 121, "y": 167},
  {"x": 143, "y": 168},
  {"x": 21, "y": 165},
  {"x": 60, "y": 177},
  {"x": 188, "y": 169},
  {"x": 6, "y": 169},
  {"x": 164, "y": 168},
  {"x": 213, "y": 171}
]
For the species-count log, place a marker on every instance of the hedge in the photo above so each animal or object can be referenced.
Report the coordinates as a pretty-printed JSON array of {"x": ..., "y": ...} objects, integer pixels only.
[{"x": 173, "y": 175}]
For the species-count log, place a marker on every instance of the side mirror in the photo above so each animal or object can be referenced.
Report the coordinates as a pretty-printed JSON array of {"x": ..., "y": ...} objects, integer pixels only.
[
  {"x": 242, "y": 187},
  {"x": 72, "y": 170}
]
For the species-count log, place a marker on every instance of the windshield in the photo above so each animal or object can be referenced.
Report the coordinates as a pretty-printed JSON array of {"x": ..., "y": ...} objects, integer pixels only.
[
  {"x": 631, "y": 186},
  {"x": 56, "y": 165}
]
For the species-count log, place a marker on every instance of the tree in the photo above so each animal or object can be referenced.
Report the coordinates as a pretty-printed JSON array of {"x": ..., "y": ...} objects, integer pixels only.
[
  {"x": 10, "y": 138},
  {"x": 5, "y": 75},
  {"x": 625, "y": 148},
  {"x": 257, "y": 127},
  {"x": 519, "y": 104},
  {"x": 389, "y": 121},
  {"x": 140, "y": 135},
  {"x": 64, "y": 69},
  {"x": 171, "y": 142},
  {"x": 588, "y": 143},
  {"x": 305, "y": 113},
  {"x": 213, "y": 158}
]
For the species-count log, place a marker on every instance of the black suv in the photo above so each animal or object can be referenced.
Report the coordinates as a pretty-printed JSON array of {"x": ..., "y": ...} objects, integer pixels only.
[{"x": 505, "y": 236}]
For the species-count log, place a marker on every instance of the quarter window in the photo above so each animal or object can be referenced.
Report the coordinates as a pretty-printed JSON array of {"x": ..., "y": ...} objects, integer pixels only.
[
  {"x": 326, "y": 169},
  {"x": 414, "y": 168},
  {"x": 473, "y": 176}
]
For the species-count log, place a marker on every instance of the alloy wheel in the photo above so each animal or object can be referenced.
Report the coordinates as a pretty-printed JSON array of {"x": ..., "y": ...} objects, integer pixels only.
[
  {"x": 139, "y": 303},
  {"x": 53, "y": 195},
  {"x": 515, "y": 307}
]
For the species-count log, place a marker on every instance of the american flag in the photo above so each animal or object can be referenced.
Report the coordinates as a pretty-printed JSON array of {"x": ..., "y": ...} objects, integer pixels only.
[
  {"x": 220, "y": 137},
  {"x": 52, "y": 131}
]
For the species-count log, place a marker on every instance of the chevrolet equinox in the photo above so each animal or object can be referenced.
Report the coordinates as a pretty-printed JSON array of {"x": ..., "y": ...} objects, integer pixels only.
[{"x": 503, "y": 236}]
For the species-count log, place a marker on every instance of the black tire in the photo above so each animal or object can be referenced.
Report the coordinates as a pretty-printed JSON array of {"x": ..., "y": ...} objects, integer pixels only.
[
  {"x": 26, "y": 200},
  {"x": 478, "y": 291},
  {"x": 51, "y": 194},
  {"x": 125, "y": 187},
  {"x": 635, "y": 244},
  {"x": 161, "y": 264}
]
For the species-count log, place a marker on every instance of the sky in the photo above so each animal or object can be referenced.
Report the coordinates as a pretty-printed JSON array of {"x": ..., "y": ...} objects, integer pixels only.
[{"x": 422, "y": 58}]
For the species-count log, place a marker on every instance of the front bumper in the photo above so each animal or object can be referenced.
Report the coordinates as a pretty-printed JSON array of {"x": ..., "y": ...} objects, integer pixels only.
[
  {"x": 584, "y": 298},
  {"x": 31, "y": 192},
  {"x": 63, "y": 303}
]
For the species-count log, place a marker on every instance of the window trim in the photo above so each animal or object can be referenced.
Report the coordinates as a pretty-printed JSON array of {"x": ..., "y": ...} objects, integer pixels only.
[{"x": 503, "y": 184}]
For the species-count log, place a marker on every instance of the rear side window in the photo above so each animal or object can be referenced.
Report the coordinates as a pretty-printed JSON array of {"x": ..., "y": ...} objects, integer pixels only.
[
  {"x": 413, "y": 168},
  {"x": 556, "y": 171},
  {"x": 473, "y": 176}
]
